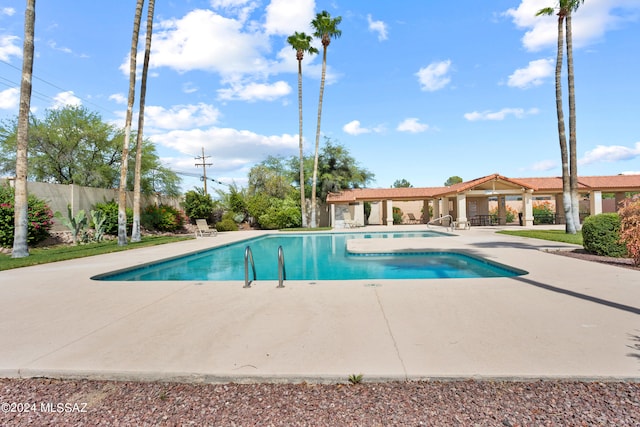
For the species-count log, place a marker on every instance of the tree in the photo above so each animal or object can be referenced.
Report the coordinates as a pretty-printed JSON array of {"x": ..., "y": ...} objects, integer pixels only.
[
  {"x": 325, "y": 28},
  {"x": 122, "y": 195},
  {"x": 568, "y": 157},
  {"x": 338, "y": 170},
  {"x": 301, "y": 43},
  {"x": 402, "y": 183},
  {"x": 452, "y": 180},
  {"x": 135, "y": 231},
  {"x": 21, "y": 207}
]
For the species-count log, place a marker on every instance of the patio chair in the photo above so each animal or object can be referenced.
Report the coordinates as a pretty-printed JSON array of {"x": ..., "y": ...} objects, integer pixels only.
[
  {"x": 413, "y": 219},
  {"x": 348, "y": 222},
  {"x": 204, "y": 229}
]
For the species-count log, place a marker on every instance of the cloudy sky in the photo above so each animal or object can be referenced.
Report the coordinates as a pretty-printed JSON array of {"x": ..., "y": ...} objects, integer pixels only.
[{"x": 415, "y": 90}]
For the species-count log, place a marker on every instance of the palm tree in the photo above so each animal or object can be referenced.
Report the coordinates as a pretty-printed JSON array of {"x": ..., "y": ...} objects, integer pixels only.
[
  {"x": 20, "y": 248},
  {"x": 325, "y": 28},
  {"x": 301, "y": 43},
  {"x": 122, "y": 194},
  {"x": 571, "y": 6},
  {"x": 568, "y": 157},
  {"x": 135, "y": 233}
]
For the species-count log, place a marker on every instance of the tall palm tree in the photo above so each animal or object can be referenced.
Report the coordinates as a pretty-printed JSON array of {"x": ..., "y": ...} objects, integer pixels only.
[
  {"x": 571, "y": 6},
  {"x": 325, "y": 28},
  {"x": 122, "y": 194},
  {"x": 135, "y": 232},
  {"x": 301, "y": 43},
  {"x": 21, "y": 209},
  {"x": 568, "y": 157}
]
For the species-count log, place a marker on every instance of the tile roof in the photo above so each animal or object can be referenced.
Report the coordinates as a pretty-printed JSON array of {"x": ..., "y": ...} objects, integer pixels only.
[{"x": 540, "y": 185}]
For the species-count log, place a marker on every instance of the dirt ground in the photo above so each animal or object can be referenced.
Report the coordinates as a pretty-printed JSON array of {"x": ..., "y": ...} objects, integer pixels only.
[{"x": 584, "y": 255}]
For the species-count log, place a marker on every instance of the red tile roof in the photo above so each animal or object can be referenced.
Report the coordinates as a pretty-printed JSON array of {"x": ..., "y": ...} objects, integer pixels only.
[{"x": 540, "y": 185}]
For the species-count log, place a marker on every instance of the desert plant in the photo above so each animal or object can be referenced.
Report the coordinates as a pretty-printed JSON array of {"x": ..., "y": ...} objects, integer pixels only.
[
  {"x": 110, "y": 210},
  {"x": 630, "y": 227},
  {"x": 98, "y": 219},
  {"x": 75, "y": 223},
  {"x": 601, "y": 235},
  {"x": 355, "y": 379},
  {"x": 39, "y": 218}
]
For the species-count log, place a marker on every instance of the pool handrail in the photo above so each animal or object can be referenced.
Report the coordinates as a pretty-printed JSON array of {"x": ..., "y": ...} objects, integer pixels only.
[
  {"x": 248, "y": 255},
  {"x": 440, "y": 218},
  {"x": 282, "y": 272}
]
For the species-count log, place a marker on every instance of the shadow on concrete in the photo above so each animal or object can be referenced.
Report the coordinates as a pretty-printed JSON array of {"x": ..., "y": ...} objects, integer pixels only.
[
  {"x": 635, "y": 346},
  {"x": 618, "y": 306}
]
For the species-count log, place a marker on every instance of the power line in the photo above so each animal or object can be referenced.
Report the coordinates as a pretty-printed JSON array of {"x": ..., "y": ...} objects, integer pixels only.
[{"x": 204, "y": 168}]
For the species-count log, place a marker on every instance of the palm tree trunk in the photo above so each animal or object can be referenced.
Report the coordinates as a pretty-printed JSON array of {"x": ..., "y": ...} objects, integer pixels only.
[
  {"x": 303, "y": 202},
  {"x": 21, "y": 204},
  {"x": 122, "y": 194},
  {"x": 573, "y": 156},
  {"x": 562, "y": 137},
  {"x": 135, "y": 233},
  {"x": 315, "y": 158}
]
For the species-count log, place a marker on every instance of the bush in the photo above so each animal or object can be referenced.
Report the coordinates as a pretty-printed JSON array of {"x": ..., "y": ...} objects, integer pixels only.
[
  {"x": 543, "y": 213},
  {"x": 162, "y": 218},
  {"x": 510, "y": 214},
  {"x": 198, "y": 205},
  {"x": 601, "y": 235},
  {"x": 630, "y": 227},
  {"x": 38, "y": 218},
  {"x": 110, "y": 211},
  {"x": 281, "y": 214},
  {"x": 227, "y": 224},
  {"x": 397, "y": 215}
]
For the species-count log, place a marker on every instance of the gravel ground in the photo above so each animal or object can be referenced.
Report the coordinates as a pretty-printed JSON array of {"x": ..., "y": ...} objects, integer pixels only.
[{"x": 45, "y": 402}]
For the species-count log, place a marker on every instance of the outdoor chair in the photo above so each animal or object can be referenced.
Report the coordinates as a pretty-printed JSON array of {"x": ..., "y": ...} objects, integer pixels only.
[
  {"x": 413, "y": 219},
  {"x": 348, "y": 222},
  {"x": 204, "y": 229}
]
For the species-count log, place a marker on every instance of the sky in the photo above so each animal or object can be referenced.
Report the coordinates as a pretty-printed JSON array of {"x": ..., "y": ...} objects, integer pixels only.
[{"x": 415, "y": 90}]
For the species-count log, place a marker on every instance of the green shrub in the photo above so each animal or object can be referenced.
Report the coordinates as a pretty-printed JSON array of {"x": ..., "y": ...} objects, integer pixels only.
[
  {"x": 226, "y": 224},
  {"x": 543, "y": 213},
  {"x": 397, "y": 215},
  {"x": 162, "y": 218},
  {"x": 110, "y": 211},
  {"x": 601, "y": 235},
  {"x": 198, "y": 205},
  {"x": 281, "y": 214},
  {"x": 510, "y": 214},
  {"x": 39, "y": 218}
]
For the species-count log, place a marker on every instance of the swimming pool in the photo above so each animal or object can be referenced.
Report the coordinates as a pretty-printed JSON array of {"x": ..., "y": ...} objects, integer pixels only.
[{"x": 315, "y": 256}]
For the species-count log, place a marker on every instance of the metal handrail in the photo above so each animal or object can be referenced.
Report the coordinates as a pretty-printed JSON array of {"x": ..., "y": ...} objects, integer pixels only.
[
  {"x": 440, "y": 218},
  {"x": 282, "y": 271},
  {"x": 248, "y": 255}
]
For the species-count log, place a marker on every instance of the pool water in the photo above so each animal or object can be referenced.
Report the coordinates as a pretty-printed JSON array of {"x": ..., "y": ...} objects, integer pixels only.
[{"x": 317, "y": 256}]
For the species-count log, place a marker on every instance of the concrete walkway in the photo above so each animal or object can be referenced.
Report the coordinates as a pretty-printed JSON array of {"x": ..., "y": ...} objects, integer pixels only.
[{"x": 567, "y": 318}]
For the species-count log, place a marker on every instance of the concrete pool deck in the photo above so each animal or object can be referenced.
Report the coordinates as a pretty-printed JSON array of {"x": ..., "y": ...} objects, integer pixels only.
[{"x": 567, "y": 318}]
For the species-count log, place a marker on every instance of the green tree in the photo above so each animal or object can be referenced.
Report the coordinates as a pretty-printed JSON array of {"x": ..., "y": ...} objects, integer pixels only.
[
  {"x": 402, "y": 183},
  {"x": 21, "y": 207},
  {"x": 270, "y": 177},
  {"x": 301, "y": 43},
  {"x": 452, "y": 180},
  {"x": 198, "y": 205},
  {"x": 135, "y": 231},
  {"x": 338, "y": 170},
  {"x": 122, "y": 195},
  {"x": 325, "y": 28},
  {"x": 568, "y": 157}
]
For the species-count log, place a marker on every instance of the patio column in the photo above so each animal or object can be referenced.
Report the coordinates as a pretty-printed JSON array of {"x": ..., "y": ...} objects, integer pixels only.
[
  {"x": 559, "y": 209},
  {"x": 332, "y": 219},
  {"x": 390, "y": 212},
  {"x": 619, "y": 198},
  {"x": 461, "y": 201},
  {"x": 502, "y": 210},
  {"x": 527, "y": 208},
  {"x": 425, "y": 212},
  {"x": 595, "y": 202},
  {"x": 437, "y": 212}
]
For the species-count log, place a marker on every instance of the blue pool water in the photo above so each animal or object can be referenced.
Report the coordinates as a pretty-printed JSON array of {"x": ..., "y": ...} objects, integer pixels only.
[{"x": 315, "y": 257}]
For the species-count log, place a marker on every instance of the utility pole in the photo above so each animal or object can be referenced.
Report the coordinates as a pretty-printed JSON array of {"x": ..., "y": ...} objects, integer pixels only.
[{"x": 204, "y": 168}]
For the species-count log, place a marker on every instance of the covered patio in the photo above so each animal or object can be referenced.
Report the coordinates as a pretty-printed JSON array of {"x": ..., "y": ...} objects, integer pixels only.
[{"x": 468, "y": 202}]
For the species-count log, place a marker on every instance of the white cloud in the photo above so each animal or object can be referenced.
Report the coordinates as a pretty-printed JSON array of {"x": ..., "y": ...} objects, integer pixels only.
[
  {"x": 412, "y": 125},
  {"x": 543, "y": 165},
  {"x": 230, "y": 149},
  {"x": 284, "y": 16},
  {"x": 63, "y": 99},
  {"x": 204, "y": 40},
  {"x": 533, "y": 74},
  {"x": 255, "y": 92},
  {"x": 378, "y": 27},
  {"x": 118, "y": 98},
  {"x": 589, "y": 24},
  {"x": 9, "y": 98},
  {"x": 500, "y": 115},
  {"x": 9, "y": 11},
  {"x": 354, "y": 128},
  {"x": 180, "y": 116},
  {"x": 610, "y": 153},
  {"x": 9, "y": 47},
  {"x": 434, "y": 76}
]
